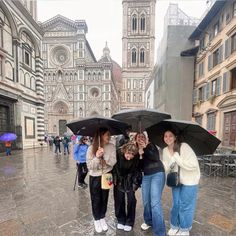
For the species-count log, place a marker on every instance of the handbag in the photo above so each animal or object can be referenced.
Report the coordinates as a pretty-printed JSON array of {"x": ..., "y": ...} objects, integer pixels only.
[
  {"x": 106, "y": 181},
  {"x": 173, "y": 179}
]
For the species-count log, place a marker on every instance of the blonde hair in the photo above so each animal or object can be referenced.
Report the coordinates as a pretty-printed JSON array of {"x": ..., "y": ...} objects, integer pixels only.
[{"x": 129, "y": 147}]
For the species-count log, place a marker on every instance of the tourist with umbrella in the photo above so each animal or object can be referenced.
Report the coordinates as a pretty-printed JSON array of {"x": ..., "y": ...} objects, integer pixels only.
[
  {"x": 101, "y": 157},
  {"x": 7, "y": 138},
  {"x": 179, "y": 155}
]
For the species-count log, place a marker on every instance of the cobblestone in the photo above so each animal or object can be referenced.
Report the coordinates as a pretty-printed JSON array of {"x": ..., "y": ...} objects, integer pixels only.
[{"x": 37, "y": 198}]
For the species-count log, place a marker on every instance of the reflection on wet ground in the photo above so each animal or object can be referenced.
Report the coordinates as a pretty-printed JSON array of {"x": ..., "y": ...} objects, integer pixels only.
[{"x": 37, "y": 198}]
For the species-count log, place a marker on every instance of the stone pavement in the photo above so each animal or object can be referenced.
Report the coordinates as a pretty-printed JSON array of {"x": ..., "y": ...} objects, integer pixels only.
[{"x": 37, "y": 198}]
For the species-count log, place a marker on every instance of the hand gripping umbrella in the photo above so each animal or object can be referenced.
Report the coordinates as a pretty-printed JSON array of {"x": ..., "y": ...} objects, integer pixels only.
[
  {"x": 200, "y": 140},
  {"x": 140, "y": 119}
]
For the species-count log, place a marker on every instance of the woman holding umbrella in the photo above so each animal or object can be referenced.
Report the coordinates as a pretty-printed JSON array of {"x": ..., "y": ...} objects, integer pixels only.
[
  {"x": 101, "y": 157},
  {"x": 184, "y": 196}
]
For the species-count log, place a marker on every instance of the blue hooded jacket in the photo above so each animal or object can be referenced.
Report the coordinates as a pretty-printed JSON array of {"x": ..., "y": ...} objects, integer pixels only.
[{"x": 80, "y": 151}]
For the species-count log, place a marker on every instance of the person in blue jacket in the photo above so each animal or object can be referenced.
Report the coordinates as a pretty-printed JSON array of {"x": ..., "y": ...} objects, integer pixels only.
[{"x": 80, "y": 151}]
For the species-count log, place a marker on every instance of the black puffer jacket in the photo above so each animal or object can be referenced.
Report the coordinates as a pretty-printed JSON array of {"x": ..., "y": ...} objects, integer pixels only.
[
  {"x": 127, "y": 175},
  {"x": 151, "y": 162}
]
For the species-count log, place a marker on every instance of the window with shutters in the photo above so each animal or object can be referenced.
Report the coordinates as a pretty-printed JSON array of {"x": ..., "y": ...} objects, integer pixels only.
[
  {"x": 216, "y": 57},
  {"x": 216, "y": 28},
  {"x": 201, "y": 69},
  {"x": 213, "y": 87},
  {"x": 233, "y": 43},
  {"x": 198, "y": 119},
  {"x": 234, "y": 9},
  {"x": 225, "y": 82},
  {"x": 202, "y": 93},
  {"x": 211, "y": 120},
  {"x": 233, "y": 79}
]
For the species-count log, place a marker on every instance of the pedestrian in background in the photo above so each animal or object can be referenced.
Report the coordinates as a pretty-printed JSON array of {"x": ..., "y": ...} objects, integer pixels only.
[
  {"x": 152, "y": 185},
  {"x": 57, "y": 143},
  {"x": 8, "y": 148},
  {"x": 127, "y": 178},
  {"x": 65, "y": 143},
  {"x": 101, "y": 157},
  {"x": 80, "y": 151},
  {"x": 183, "y": 196}
]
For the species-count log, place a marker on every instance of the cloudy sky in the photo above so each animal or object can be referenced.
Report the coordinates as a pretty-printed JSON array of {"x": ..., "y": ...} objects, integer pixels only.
[{"x": 104, "y": 19}]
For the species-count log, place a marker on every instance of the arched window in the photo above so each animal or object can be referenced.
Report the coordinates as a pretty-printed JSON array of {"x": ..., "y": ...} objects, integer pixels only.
[
  {"x": 142, "y": 56},
  {"x": 94, "y": 76},
  {"x": 134, "y": 23},
  {"x": 89, "y": 76},
  {"x": 133, "y": 56},
  {"x": 142, "y": 23}
]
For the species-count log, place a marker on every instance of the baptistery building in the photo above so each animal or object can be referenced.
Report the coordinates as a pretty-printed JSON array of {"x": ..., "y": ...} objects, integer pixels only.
[{"x": 21, "y": 73}]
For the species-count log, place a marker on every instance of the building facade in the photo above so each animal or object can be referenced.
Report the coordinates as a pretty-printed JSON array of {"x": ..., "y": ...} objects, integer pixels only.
[
  {"x": 171, "y": 82},
  {"x": 21, "y": 74},
  {"x": 76, "y": 84},
  {"x": 215, "y": 78},
  {"x": 138, "y": 47}
]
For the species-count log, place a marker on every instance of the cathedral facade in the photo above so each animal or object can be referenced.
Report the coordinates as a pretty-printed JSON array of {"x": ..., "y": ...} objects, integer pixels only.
[
  {"x": 21, "y": 73},
  {"x": 138, "y": 47},
  {"x": 76, "y": 84}
]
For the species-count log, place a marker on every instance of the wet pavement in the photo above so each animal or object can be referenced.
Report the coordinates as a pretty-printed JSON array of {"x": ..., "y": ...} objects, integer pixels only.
[{"x": 37, "y": 198}]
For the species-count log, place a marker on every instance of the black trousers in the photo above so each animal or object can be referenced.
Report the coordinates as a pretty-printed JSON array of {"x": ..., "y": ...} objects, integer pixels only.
[
  {"x": 99, "y": 197},
  {"x": 125, "y": 217},
  {"x": 82, "y": 172}
]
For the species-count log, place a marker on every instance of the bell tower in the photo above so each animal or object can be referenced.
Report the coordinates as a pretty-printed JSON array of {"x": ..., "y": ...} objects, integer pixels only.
[{"x": 138, "y": 47}]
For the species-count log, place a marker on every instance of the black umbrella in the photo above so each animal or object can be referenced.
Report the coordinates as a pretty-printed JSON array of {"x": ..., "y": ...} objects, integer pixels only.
[
  {"x": 201, "y": 141},
  {"x": 140, "y": 119},
  {"x": 89, "y": 126}
]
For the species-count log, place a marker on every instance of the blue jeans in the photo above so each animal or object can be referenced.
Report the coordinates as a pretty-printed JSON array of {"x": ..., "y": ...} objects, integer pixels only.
[
  {"x": 183, "y": 206},
  {"x": 152, "y": 187},
  {"x": 8, "y": 151}
]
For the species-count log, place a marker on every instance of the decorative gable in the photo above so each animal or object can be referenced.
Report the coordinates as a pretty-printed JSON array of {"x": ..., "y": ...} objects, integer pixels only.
[
  {"x": 59, "y": 23},
  {"x": 60, "y": 93}
]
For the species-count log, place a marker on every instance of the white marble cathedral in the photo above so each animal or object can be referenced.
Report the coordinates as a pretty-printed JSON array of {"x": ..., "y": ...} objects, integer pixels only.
[{"x": 76, "y": 84}]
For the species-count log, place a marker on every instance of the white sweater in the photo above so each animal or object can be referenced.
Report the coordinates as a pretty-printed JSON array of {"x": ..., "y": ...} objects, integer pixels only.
[
  {"x": 94, "y": 166},
  {"x": 187, "y": 161}
]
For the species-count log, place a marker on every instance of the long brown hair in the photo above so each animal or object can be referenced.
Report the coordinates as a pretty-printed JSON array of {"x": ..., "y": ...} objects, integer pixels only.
[{"x": 98, "y": 138}]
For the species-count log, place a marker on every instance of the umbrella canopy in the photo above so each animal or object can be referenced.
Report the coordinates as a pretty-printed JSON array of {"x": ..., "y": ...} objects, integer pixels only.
[
  {"x": 200, "y": 140},
  {"x": 8, "y": 137},
  {"x": 140, "y": 119},
  {"x": 89, "y": 126}
]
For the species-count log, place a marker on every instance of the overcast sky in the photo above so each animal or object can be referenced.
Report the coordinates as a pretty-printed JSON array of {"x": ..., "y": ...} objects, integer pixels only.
[{"x": 104, "y": 19}]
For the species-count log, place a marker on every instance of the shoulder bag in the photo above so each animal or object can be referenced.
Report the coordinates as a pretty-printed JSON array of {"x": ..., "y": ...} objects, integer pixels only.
[{"x": 173, "y": 178}]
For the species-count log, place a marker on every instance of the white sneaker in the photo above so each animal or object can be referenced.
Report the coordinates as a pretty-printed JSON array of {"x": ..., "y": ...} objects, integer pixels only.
[
  {"x": 127, "y": 228},
  {"x": 120, "y": 226},
  {"x": 144, "y": 226},
  {"x": 172, "y": 231},
  {"x": 185, "y": 233},
  {"x": 97, "y": 225},
  {"x": 103, "y": 224}
]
